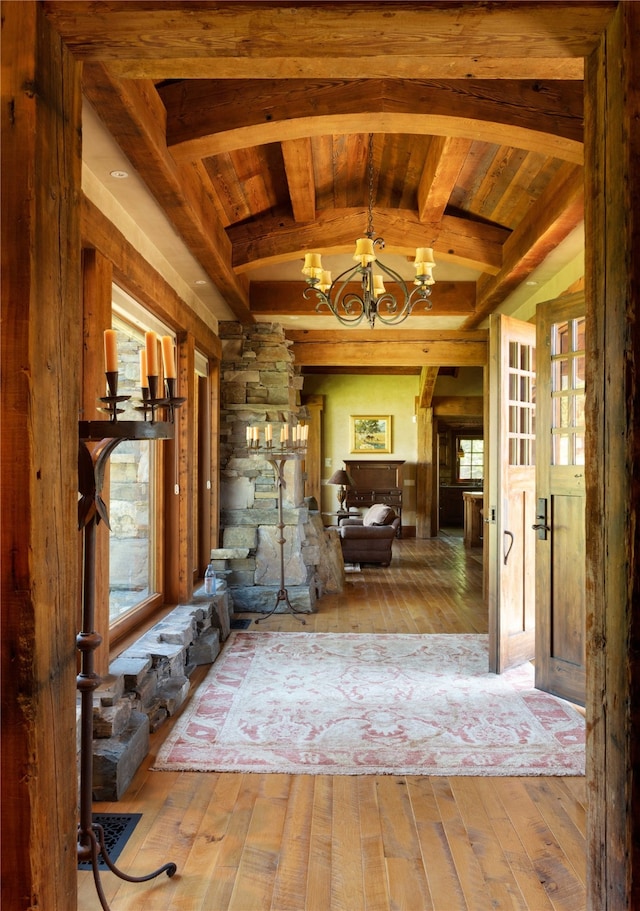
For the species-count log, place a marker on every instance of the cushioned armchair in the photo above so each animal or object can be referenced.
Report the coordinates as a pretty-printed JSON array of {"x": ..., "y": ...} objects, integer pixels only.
[{"x": 369, "y": 539}]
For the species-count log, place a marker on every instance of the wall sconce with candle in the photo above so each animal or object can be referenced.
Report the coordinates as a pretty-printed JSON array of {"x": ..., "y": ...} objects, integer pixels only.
[{"x": 153, "y": 403}]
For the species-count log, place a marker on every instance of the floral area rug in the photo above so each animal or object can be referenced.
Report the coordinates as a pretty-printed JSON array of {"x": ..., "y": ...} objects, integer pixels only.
[{"x": 355, "y": 704}]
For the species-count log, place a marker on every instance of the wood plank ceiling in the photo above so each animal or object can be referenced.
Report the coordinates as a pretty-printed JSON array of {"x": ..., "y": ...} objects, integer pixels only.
[{"x": 248, "y": 124}]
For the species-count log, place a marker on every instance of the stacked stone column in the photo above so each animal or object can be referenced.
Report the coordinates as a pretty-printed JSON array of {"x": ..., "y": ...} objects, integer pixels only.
[{"x": 260, "y": 385}]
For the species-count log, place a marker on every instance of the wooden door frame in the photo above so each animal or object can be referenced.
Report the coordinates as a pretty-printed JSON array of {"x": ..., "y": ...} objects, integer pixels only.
[
  {"x": 612, "y": 193},
  {"x": 612, "y": 145}
]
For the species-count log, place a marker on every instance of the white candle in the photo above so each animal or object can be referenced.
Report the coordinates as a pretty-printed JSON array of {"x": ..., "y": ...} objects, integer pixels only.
[
  {"x": 151, "y": 341},
  {"x": 249, "y": 433},
  {"x": 168, "y": 357},
  {"x": 144, "y": 382},
  {"x": 268, "y": 433},
  {"x": 110, "y": 351}
]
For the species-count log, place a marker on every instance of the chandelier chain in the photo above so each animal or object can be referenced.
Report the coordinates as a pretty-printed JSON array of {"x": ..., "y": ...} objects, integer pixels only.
[{"x": 370, "y": 163}]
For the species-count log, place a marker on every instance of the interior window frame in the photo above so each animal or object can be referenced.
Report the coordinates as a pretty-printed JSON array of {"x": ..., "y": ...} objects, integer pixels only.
[
  {"x": 126, "y": 310},
  {"x": 460, "y": 440}
]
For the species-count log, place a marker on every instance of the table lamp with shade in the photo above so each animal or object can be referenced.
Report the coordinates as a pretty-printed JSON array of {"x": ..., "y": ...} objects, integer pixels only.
[{"x": 341, "y": 478}]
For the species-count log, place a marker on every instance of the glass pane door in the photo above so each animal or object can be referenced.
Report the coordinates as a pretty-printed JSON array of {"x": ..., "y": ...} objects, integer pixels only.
[
  {"x": 522, "y": 403},
  {"x": 567, "y": 392}
]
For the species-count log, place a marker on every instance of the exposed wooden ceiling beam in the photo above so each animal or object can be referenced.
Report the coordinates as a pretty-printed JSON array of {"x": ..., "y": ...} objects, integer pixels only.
[
  {"x": 458, "y": 406},
  {"x": 274, "y": 239},
  {"x": 134, "y": 115},
  {"x": 298, "y": 164},
  {"x": 428, "y": 377},
  {"x": 383, "y": 347},
  {"x": 286, "y": 299},
  {"x": 360, "y": 371},
  {"x": 334, "y": 40},
  {"x": 205, "y": 120},
  {"x": 442, "y": 167},
  {"x": 550, "y": 220}
]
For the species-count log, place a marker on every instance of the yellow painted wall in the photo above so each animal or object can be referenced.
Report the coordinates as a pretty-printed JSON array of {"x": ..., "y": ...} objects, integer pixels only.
[{"x": 346, "y": 395}]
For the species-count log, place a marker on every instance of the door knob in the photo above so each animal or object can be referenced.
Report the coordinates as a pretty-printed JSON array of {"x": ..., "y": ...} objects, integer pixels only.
[{"x": 542, "y": 526}]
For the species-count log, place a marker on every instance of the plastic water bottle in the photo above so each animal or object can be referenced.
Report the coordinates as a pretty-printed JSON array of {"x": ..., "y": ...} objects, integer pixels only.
[{"x": 210, "y": 580}]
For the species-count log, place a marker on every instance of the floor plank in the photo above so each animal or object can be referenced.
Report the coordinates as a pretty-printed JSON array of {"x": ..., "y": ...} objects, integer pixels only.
[{"x": 358, "y": 843}]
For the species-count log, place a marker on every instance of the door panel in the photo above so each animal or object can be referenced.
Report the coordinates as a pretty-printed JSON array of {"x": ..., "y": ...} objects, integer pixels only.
[
  {"x": 510, "y": 551},
  {"x": 560, "y": 546},
  {"x": 567, "y": 629}
]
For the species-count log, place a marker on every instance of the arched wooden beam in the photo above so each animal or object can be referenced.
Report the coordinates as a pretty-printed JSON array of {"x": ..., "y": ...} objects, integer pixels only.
[
  {"x": 204, "y": 118},
  {"x": 273, "y": 239}
]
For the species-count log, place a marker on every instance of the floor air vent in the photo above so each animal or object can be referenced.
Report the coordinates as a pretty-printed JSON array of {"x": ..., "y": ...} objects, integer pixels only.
[{"x": 117, "y": 829}]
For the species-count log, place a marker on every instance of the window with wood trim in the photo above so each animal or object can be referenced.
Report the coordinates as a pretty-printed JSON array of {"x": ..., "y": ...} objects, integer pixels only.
[
  {"x": 470, "y": 458},
  {"x": 135, "y": 542}
]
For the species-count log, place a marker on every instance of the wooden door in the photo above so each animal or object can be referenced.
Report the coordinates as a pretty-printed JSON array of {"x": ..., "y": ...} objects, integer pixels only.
[
  {"x": 510, "y": 494},
  {"x": 560, "y": 519}
]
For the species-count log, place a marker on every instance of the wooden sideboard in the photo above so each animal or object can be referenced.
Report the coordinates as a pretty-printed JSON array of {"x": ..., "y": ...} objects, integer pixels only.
[{"x": 375, "y": 481}]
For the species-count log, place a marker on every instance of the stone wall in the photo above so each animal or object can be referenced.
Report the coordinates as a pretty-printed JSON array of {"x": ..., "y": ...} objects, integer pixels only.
[{"x": 148, "y": 683}]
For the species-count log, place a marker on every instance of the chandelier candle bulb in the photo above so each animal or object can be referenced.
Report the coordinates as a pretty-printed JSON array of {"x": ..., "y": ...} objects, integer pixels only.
[
  {"x": 312, "y": 265},
  {"x": 325, "y": 281},
  {"x": 168, "y": 357},
  {"x": 268, "y": 434},
  {"x": 424, "y": 255},
  {"x": 110, "y": 351},
  {"x": 151, "y": 344},
  {"x": 364, "y": 251},
  {"x": 378, "y": 285}
]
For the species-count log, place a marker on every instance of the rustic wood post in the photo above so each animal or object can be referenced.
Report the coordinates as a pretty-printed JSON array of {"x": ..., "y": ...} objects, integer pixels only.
[
  {"x": 41, "y": 369},
  {"x": 612, "y": 203},
  {"x": 426, "y": 475}
]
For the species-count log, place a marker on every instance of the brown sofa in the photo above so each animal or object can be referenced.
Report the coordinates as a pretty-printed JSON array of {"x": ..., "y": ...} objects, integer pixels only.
[{"x": 369, "y": 539}]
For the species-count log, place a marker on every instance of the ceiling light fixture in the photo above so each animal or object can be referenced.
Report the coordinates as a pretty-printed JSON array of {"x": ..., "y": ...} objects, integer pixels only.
[
  {"x": 119, "y": 175},
  {"x": 374, "y": 301}
]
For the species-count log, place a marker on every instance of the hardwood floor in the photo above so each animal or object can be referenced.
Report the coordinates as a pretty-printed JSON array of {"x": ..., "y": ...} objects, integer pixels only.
[{"x": 358, "y": 843}]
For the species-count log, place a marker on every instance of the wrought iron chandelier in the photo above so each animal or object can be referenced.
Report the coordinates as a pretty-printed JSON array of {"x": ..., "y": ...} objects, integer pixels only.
[{"x": 372, "y": 301}]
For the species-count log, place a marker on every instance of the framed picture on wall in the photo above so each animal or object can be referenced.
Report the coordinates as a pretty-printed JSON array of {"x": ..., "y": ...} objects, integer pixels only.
[{"x": 370, "y": 433}]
